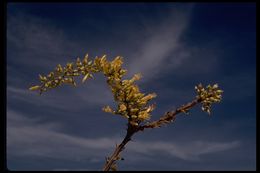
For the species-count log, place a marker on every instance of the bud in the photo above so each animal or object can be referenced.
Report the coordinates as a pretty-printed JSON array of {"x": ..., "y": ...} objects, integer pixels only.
[
  {"x": 122, "y": 108},
  {"x": 85, "y": 77},
  {"x": 33, "y": 88}
]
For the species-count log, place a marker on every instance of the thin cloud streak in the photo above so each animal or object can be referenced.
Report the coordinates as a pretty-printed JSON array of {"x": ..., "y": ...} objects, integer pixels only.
[
  {"x": 161, "y": 42},
  {"x": 38, "y": 42},
  {"x": 26, "y": 138},
  {"x": 189, "y": 152},
  {"x": 31, "y": 35},
  {"x": 74, "y": 99}
]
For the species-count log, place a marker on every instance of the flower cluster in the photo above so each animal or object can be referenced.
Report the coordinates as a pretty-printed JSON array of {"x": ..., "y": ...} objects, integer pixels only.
[
  {"x": 131, "y": 103},
  {"x": 212, "y": 94},
  {"x": 66, "y": 75}
]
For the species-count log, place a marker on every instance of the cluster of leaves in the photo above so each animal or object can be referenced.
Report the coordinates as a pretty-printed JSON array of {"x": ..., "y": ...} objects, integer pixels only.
[
  {"x": 131, "y": 103},
  {"x": 212, "y": 94}
]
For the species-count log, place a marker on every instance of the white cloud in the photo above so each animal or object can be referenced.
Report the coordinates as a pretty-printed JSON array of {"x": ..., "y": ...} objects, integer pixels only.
[
  {"x": 36, "y": 42},
  {"x": 57, "y": 100},
  {"x": 95, "y": 93},
  {"x": 39, "y": 43},
  {"x": 25, "y": 137},
  {"x": 36, "y": 36},
  {"x": 161, "y": 42},
  {"x": 187, "y": 151},
  {"x": 28, "y": 137}
]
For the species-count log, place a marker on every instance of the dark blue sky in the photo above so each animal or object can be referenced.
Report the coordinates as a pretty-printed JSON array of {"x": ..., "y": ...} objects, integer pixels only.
[{"x": 174, "y": 45}]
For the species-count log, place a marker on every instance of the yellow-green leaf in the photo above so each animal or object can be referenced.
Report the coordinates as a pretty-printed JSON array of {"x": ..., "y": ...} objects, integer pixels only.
[
  {"x": 85, "y": 60},
  {"x": 85, "y": 77},
  {"x": 33, "y": 88}
]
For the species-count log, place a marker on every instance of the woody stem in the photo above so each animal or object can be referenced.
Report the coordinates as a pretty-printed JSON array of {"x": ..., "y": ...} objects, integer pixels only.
[{"x": 130, "y": 132}]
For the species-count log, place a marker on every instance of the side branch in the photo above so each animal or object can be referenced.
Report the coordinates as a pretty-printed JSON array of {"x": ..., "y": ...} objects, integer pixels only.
[{"x": 170, "y": 116}]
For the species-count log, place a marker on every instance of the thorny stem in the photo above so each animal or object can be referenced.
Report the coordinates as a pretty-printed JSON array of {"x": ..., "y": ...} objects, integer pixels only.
[
  {"x": 131, "y": 130},
  {"x": 170, "y": 116}
]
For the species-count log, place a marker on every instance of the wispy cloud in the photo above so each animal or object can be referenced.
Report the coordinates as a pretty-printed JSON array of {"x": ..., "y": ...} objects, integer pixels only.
[
  {"x": 190, "y": 151},
  {"x": 161, "y": 41},
  {"x": 27, "y": 138},
  {"x": 56, "y": 100},
  {"x": 37, "y": 42},
  {"x": 31, "y": 35},
  {"x": 96, "y": 93}
]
